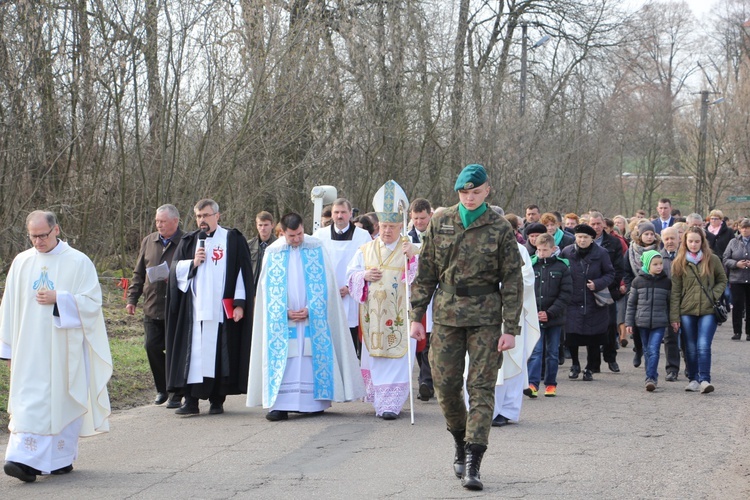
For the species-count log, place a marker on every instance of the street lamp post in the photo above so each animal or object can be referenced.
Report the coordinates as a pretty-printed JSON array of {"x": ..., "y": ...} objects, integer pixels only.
[
  {"x": 524, "y": 56},
  {"x": 524, "y": 62},
  {"x": 701, "y": 184}
]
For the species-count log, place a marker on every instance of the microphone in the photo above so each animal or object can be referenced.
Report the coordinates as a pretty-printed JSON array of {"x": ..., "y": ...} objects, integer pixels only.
[{"x": 202, "y": 239}]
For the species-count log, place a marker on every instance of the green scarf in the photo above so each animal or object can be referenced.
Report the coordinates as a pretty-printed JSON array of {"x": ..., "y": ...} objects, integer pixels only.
[
  {"x": 469, "y": 216},
  {"x": 558, "y": 236}
]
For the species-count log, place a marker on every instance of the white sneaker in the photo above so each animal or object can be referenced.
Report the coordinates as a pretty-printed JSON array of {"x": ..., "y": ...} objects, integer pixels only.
[
  {"x": 693, "y": 386},
  {"x": 706, "y": 387}
]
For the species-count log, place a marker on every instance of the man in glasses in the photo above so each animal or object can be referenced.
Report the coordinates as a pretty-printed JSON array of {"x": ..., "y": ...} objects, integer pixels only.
[
  {"x": 209, "y": 326},
  {"x": 52, "y": 333}
]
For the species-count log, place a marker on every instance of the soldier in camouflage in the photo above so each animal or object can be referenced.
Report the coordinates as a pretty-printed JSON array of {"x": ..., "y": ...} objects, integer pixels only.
[{"x": 468, "y": 251}]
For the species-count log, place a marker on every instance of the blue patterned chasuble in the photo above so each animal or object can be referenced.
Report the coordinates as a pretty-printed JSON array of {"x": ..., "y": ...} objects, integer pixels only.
[{"x": 277, "y": 323}]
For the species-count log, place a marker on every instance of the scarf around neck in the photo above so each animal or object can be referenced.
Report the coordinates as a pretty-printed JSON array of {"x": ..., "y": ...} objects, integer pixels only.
[
  {"x": 695, "y": 258},
  {"x": 469, "y": 216},
  {"x": 634, "y": 254},
  {"x": 558, "y": 236}
]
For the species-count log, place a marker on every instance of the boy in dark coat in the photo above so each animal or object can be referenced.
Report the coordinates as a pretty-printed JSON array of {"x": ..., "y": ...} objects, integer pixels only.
[{"x": 553, "y": 286}]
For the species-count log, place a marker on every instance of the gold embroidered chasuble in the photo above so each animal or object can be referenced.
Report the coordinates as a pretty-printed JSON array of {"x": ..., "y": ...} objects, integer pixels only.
[{"x": 384, "y": 331}]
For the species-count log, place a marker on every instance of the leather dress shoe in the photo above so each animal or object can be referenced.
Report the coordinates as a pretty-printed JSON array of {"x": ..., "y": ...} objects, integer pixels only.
[
  {"x": 187, "y": 409},
  {"x": 389, "y": 415},
  {"x": 160, "y": 398},
  {"x": 174, "y": 402},
  {"x": 587, "y": 376},
  {"x": 277, "y": 415},
  {"x": 500, "y": 421},
  {"x": 424, "y": 392},
  {"x": 21, "y": 471},
  {"x": 62, "y": 470},
  {"x": 216, "y": 409},
  {"x": 614, "y": 367},
  {"x": 575, "y": 370}
]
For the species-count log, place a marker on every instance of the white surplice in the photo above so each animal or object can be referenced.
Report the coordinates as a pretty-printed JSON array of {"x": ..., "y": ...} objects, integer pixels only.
[
  {"x": 60, "y": 364},
  {"x": 340, "y": 253}
]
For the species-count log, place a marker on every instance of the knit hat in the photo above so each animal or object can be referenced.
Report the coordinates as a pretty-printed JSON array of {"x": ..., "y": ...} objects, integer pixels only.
[
  {"x": 535, "y": 228},
  {"x": 647, "y": 257},
  {"x": 585, "y": 229},
  {"x": 645, "y": 226},
  {"x": 470, "y": 177}
]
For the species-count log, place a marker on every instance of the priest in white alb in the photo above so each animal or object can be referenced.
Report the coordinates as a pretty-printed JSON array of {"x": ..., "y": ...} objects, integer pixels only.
[
  {"x": 52, "y": 331},
  {"x": 341, "y": 240},
  {"x": 302, "y": 357},
  {"x": 377, "y": 281}
]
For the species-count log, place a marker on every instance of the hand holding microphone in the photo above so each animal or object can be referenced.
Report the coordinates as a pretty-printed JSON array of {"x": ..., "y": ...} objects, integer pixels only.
[{"x": 200, "y": 253}]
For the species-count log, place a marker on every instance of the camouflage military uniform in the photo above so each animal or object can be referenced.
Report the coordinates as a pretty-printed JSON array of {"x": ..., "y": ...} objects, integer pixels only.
[{"x": 468, "y": 311}]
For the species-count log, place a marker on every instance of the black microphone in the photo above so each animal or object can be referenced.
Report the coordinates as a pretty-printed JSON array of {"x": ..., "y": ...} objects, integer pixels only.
[{"x": 202, "y": 239}]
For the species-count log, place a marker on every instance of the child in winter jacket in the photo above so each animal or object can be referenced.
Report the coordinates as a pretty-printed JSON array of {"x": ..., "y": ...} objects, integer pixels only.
[
  {"x": 648, "y": 310},
  {"x": 553, "y": 286}
]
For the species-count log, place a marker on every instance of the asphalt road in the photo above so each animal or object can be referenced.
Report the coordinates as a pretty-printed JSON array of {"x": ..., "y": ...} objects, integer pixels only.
[{"x": 603, "y": 439}]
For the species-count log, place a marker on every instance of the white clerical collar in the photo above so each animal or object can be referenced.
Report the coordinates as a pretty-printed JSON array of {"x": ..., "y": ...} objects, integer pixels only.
[{"x": 59, "y": 248}]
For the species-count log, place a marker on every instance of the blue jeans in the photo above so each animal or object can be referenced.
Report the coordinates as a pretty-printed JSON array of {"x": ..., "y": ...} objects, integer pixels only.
[
  {"x": 698, "y": 332},
  {"x": 651, "y": 339},
  {"x": 551, "y": 338}
]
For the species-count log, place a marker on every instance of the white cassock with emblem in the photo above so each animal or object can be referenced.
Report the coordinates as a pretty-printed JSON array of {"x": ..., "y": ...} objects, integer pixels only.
[{"x": 61, "y": 361}]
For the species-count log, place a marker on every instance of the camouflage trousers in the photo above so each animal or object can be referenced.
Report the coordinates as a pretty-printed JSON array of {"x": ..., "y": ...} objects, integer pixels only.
[{"x": 449, "y": 345}]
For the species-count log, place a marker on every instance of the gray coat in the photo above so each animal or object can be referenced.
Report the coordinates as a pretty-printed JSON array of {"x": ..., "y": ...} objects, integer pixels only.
[
  {"x": 736, "y": 251},
  {"x": 648, "y": 301}
]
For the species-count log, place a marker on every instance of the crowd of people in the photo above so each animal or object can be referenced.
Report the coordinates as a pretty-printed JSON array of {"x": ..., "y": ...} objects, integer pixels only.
[{"x": 296, "y": 321}]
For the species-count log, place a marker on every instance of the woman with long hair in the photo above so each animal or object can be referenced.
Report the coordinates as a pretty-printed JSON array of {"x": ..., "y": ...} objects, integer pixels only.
[{"x": 698, "y": 281}]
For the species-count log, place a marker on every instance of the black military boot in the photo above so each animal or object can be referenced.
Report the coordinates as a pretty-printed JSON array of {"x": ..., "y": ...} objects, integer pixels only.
[
  {"x": 474, "y": 454},
  {"x": 459, "y": 458}
]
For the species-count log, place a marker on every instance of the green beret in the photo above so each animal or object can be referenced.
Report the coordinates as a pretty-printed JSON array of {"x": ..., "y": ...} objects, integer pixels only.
[{"x": 470, "y": 177}]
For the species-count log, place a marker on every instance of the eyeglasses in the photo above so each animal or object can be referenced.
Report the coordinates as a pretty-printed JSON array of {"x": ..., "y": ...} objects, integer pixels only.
[
  {"x": 40, "y": 237},
  {"x": 203, "y": 216}
]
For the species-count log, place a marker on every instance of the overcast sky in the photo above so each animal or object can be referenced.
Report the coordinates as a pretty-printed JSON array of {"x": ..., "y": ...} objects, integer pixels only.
[{"x": 700, "y": 7}]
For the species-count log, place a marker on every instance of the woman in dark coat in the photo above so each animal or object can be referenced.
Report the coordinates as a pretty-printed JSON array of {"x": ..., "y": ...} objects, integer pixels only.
[
  {"x": 591, "y": 270},
  {"x": 718, "y": 233}
]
